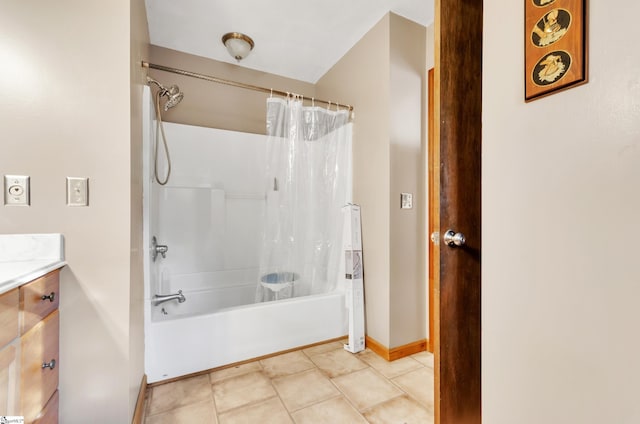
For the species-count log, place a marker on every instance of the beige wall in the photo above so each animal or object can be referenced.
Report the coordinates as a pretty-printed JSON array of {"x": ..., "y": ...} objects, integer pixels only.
[
  {"x": 220, "y": 106},
  {"x": 139, "y": 51},
  {"x": 407, "y": 139},
  {"x": 383, "y": 77},
  {"x": 361, "y": 78},
  {"x": 561, "y": 208},
  {"x": 66, "y": 79},
  {"x": 431, "y": 55}
]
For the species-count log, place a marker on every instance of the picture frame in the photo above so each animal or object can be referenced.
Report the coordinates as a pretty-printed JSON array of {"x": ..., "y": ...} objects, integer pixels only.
[{"x": 555, "y": 46}]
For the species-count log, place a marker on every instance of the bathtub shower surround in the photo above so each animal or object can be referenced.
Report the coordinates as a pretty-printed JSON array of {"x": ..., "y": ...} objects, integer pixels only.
[
  {"x": 211, "y": 217},
  {"x": 308, "y": 179}
]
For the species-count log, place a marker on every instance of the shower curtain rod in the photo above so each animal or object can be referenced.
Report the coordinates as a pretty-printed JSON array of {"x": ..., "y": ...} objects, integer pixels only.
[{"x": 239, "y": 84}]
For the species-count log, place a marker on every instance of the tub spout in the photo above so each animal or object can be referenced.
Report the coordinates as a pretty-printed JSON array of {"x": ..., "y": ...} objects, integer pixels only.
[{"x": 161, "y": 298}]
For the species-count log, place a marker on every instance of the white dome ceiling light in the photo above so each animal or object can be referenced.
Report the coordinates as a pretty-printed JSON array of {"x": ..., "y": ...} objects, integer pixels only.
[{"x": 238, "y": 45}]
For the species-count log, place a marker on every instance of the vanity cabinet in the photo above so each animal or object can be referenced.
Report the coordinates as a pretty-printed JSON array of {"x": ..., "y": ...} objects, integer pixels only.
[
  {"x": 9, "y": 352},
  {"x": 30, "y": 324}
]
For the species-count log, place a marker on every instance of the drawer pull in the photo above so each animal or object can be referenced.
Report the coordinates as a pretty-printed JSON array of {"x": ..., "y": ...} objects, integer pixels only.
[
  {"x": 50, "y": 365},
  {"x": 50, "y": 297}
]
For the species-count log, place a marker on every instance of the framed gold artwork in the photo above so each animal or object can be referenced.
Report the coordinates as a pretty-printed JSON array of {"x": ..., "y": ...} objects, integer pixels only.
[{"x": 555, "y": 46}]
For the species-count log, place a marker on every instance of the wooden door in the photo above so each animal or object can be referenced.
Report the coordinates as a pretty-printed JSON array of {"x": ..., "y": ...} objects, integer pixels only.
[
  {"x": 458, "y": 112},
  {"x": 434, "y": 206}
]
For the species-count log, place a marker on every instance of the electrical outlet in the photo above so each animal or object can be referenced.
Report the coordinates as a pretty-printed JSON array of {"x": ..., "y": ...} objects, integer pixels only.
[
  {"x": 77, "y": 191},
  {"x": 16, "y": 190}
]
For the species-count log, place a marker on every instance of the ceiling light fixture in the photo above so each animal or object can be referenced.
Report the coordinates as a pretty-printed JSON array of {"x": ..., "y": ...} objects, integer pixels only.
[{"x": 238, "y": 45}]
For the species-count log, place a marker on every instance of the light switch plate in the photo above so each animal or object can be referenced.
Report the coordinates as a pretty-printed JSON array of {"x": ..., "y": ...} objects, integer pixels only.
[
  {"x": 16, "y": 190},
  {"x": 77, "y": 191},
  {"x": 406, "y": 200}
]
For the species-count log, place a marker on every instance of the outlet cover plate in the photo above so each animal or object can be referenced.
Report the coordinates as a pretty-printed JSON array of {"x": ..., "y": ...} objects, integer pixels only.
[
  {"x": 406, "y": 200},
  {"x": 16, "y": 190}
]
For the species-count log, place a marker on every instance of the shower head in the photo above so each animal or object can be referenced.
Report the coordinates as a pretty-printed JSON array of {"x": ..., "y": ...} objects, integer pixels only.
[
  {"x": 174, "y": 97},
  {"x": 173, "y": 93}
]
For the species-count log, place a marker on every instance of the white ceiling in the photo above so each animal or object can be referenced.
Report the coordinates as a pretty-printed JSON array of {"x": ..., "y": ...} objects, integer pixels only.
[{"x": 300, "y": 39}]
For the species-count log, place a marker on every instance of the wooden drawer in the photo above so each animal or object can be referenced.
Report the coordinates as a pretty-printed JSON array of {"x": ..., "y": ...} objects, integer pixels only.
[
  {"x": 50, "y": 413},
  {"x": 9, "y": 379},
  {"x": 37, "y": 384},
  {"x": 8, "y": 317},
  {"x": 32, "y": 305}
]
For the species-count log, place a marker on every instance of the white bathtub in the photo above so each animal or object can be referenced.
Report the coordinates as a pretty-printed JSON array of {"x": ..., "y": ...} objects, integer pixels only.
[
  {"x": 206, "y": 292},
  {"x": 184, "y": 342}
]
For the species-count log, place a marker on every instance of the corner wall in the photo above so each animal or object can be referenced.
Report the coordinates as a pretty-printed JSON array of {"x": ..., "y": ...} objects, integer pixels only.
[
  {"x": 383, "y": 77},
  {"x": 139, "y": 51},
  {"x": 408, "y": 303},
  {"x": 561, "y": 209},
  {"x": 361, "y": 78}
]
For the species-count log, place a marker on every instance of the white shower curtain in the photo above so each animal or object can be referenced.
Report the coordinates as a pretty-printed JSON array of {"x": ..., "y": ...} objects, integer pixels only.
[{"x": 308, "y": 182}]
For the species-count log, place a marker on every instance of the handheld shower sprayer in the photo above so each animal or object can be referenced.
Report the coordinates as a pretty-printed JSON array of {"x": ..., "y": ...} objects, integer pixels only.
[{"x": 173, "y": 95}]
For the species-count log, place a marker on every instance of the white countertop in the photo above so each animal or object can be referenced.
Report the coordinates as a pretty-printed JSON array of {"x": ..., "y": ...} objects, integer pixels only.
[
  {"x": 25, "y": 257},
  {"x": 15, "y": 274}
]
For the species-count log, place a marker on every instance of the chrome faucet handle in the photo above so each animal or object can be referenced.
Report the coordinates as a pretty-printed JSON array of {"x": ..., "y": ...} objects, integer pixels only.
[
  {"x": 158, "y": 249},
  {"x": 162, "y": 249}
]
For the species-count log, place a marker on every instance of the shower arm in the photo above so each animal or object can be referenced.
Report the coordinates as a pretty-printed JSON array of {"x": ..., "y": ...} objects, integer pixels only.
[{"x": 163, "y": 90}]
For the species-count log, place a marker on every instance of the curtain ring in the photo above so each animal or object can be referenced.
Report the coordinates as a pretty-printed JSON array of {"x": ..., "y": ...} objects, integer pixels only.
[
  {"x": 271, "y": 95},
  {"x": 313, "y": 102}
]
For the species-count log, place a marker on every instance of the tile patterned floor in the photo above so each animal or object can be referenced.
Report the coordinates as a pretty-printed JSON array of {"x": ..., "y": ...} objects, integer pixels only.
[{"x": 317, "y": 385}]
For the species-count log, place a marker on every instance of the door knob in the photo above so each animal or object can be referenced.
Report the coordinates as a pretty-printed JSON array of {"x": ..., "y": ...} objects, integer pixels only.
[
  {"x": 51, "y": 365},
  {"x": 453, "y": 239}
]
